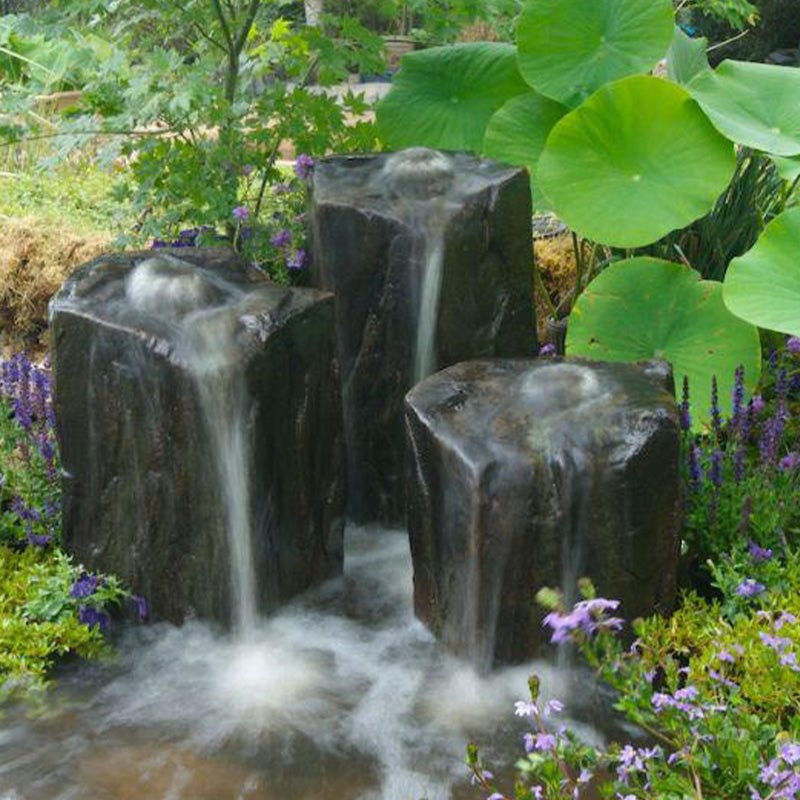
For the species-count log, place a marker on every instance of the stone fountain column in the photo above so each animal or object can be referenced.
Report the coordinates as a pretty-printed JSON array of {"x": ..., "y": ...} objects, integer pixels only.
[
  {"x": 530, "y": 474},
  {"x": 429, "y": 256},
  {"x": 190, "y": 403}
]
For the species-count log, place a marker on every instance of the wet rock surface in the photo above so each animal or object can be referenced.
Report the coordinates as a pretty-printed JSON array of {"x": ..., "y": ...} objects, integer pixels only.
[
  {"x": 379, "y": 226},
  {"x": 532, "y": 473},
  {"x": 142, "y": 496}
]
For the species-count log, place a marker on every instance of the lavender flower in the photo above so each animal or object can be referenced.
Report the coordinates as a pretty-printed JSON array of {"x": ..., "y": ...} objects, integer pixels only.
[
  {"x": 737, "y": 396},
  {"x": 685, "y": 417},
  {"x": 716, "y": 417},
  {"x": 750, "y": 587},
  {"x": 297, "y": 261},
  {"x": 757, "y": 403},
  {"x": 85, "y": 586},
  {"x": 715, "y": 472},
  {"x": 303, "y": 166},
  {"x": 241, "y": 213},
  {"x": 793, "y": 344},
  {"x": 281, "y": 239},
  {"x": 548, "y": 349},
  {"x": 91, "y": 617},
  {"x": 757, "y": 553}
]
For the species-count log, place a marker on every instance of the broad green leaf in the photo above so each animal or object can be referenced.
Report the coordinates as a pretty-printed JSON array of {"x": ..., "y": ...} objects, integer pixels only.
[
  {"x": 763, "y": 285},
  {"x": 788, "y": 167},
  {"x": 570, "y": 48},
  {"x": 686, "y": 57},
  {"x": 635, "y": 161},
  {"x": 757, "y": 105},
  {"x": 444, "y": 97},
  {"x": 648, "y": 308},
  {"x": 518, "y": 131}
]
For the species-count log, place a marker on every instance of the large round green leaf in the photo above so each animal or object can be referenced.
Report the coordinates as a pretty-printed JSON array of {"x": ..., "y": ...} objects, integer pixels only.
[
  {"x": 517, "y": 132},
  {"x": 763, "y": 285},
  {"x": 788, "y": 167},
  {"x": 635, "y": 161},
  {"x": 570, "y": 48},
  {"x": 757, "y": 105},
  {"x": 444, "y": 97},
  {"x": 647, "y": 308},
  {"x": 686, "y": 57}
]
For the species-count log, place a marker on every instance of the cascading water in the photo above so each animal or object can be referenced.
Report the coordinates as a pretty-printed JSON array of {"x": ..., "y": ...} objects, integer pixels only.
[{"x": 205, "y": 339}]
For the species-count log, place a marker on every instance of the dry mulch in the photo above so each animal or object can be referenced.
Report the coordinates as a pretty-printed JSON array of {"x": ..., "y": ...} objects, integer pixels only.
[
  {"x": 34, "y": 261},
  {"x": 555, "y": 259}
]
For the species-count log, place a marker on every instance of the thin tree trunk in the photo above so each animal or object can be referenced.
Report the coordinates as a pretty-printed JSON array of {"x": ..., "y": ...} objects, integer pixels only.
[{"x": 314, "y": 11}]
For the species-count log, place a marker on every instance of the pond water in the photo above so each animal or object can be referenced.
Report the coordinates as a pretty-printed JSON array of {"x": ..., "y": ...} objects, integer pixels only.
[{"x": 342, "y": 694}]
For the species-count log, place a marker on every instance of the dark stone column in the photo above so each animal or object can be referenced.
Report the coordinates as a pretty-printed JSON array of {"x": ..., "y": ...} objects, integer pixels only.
[
  {"x": 530, "y": 474},
  {"x": 141, "y": 492},
  {"x": 369, "y": 248}
]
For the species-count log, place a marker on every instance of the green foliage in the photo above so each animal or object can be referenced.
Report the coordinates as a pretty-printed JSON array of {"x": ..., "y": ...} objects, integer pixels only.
[
  {"x": 763, "y": 285},
  {"x": 194, "y": 96},
  {"x": 569, "y": 50},
  {"x": 742, "y": 475},
  {"x": 39, "y": 618},
  {"x": 715, "y": 689},
  {"x": 633, "y": 162},
  {"x": 752, "y": 104},
  {"x": 444, "y": 97},
  {"x": 643, "y": 308}
]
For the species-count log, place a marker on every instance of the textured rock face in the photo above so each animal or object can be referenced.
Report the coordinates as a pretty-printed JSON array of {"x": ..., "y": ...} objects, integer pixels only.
[
  {"x": 142, "y": 494},
  {"x": 525, "y": 474},
  {"x": 417, "y": 247}
]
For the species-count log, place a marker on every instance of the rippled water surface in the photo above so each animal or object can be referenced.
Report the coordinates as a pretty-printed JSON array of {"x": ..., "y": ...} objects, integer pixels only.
[{"x": 341, "y": 695}]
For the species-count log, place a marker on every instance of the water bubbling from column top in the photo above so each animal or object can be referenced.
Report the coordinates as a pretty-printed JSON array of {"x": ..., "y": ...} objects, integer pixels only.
[
  {"x": 418, "y": 173},
  {"x": 165, "y": 286}
]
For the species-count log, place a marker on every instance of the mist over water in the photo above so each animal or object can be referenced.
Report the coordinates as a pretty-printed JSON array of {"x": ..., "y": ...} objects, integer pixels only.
[{"x": 340, "y": 694}]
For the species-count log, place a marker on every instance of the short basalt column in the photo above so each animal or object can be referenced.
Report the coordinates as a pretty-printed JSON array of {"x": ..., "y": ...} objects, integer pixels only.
[
  {"x": 529, "y": 474},
  {"x": 429, "y": 257},
  {"x": 199, "y": 421}
]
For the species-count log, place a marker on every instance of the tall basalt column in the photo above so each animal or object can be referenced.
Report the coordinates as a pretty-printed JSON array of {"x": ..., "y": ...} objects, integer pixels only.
[
  {"x": 189, "y": 402},
  {"x": 429, "y": 257},
  {"x": 529, "y": 474}
]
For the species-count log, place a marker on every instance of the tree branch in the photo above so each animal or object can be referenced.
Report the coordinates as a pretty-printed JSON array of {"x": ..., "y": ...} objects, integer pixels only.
[
  {"x": 244, "y": 31},
  {"x": 223, "y": 21}
]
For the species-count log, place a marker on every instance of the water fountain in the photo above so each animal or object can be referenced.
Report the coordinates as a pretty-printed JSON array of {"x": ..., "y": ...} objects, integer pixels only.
[
  {"x": 532, "y": 474},
  {"x": 200, "y": 433},
  {"x": 202, "y": 444},
  {"x": 429, "y": 257}
]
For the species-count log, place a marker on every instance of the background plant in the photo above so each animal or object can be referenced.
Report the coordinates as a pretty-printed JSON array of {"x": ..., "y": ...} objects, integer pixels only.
[
  {"x": 197, "y": 100},
  {"x": 624, "y": 158},
  {"x": 49, "y": 607}
]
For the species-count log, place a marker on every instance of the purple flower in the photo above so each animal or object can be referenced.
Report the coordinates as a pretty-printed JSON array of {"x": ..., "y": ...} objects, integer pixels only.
[
  {"x": 789, "y": 462},
  {"x": 758, "y": 554},
  {"x": 296, "y": 261},
  {"x": 91, "y": 617},
  {"x": 793, "y": 344},
  {"x": 281, "y": 239},
  {"x": 85, "y": 585},
  {"x": 737, "y": 396},
  {"x": 716, "y": 417},
  {"x": 715, "y": 472},
  {"x": 548, "y": 349},
  {"x": 303, "y": 166},
  {"x": 686, "y": 417},
  {"x": 141, "y": 606},
  {"x": 749, "y": 588},
  {"x": 777, "y": 643},
  {"x": 757, "y": 403},
  {"x": 241, "y": 213},
  {"x": 247, "y": 169},
  {"x": 587, "y": 617}
]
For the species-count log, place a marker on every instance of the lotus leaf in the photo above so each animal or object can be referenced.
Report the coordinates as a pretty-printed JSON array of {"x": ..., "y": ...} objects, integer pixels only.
[
  {"x": 647, "y": 308},
  {"x": 635, "y": 161},
  {"x": 686, "y": 57},
  {"x": 757, "y": 105},
  {"x": 444, "y": 97},
  {"x": 763, "y": 285},
  {"x": 517, "y": 132},
  {"x": 570, "y": 48}
]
